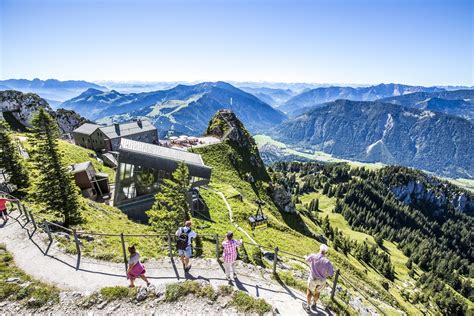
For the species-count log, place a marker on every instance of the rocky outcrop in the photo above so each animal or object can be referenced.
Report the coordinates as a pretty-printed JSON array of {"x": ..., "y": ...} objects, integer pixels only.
[
  {"x": 415, "y": 187},
  {"x": 226, "y": 126},
  {"x": 23, "y": 106},
  {"x": 282, "y": 199}
]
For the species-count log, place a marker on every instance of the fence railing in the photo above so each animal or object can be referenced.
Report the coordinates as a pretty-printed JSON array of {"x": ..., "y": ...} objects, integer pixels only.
[{"x": 275, "y": 255}]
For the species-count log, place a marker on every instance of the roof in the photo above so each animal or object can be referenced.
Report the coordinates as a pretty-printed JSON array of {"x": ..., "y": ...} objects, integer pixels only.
[
  {"x": 86, "y": 129},
  {"x": 127, "y": 129},
  {"x": 78, "y": 167},
  {"x": 160, "y": 151}
]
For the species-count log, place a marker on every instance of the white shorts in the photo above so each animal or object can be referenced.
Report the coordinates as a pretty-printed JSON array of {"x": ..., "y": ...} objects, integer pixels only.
[{"x": 315, "y": 284}]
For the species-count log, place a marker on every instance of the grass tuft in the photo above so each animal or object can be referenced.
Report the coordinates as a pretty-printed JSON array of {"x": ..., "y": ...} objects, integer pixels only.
[{"x": 247, "y": 304}]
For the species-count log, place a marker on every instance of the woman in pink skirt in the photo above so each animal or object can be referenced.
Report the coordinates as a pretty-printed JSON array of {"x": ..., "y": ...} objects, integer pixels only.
[{"x": 135, "y": 267}]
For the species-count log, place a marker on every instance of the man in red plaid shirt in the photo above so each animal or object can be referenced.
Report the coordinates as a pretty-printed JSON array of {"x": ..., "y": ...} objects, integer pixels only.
[{"x": 230, "y": 254}]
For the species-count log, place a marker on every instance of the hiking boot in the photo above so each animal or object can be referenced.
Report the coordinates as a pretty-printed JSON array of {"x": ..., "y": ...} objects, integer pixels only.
[
  {"x": 314, "y": 307},
  {"x": 306, "y": 308},
  {"x": 187, "y": 268},
  {"x": 235, "y": 276}
]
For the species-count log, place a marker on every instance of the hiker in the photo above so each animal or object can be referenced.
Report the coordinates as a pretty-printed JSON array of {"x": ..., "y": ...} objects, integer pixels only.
[
  {"x": 185, "y": 236},
  {"x": 320, "y": 269},
  {"x": 3, "y": 207},
  {"x": 135, "y": 267},
  {"x": 230, "y": 254}
]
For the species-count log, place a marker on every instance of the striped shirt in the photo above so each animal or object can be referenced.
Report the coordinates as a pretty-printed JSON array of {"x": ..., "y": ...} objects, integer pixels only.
[{"x": 230, "y": 249}]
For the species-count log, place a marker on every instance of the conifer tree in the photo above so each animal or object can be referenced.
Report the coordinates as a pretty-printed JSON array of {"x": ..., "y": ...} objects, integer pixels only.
[
  {"x": 55, "y": 187},
  {"x": 10, "y": 159},
  {"x": 171, "y": 207}
]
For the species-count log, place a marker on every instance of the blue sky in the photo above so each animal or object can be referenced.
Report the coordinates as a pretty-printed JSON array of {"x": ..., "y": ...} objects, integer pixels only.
[{"x": 335, "y": 41}]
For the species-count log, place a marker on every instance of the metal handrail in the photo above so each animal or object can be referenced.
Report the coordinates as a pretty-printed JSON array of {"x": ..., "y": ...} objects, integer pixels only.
[{"x": 277, "y": 252}]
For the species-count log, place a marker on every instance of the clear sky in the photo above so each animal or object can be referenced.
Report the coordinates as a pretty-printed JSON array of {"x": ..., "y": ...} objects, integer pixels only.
[{"x": 423, "y": 42}]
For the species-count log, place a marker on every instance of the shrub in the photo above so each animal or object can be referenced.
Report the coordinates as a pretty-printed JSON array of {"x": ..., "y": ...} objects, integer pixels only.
[
  {"x": 115, "y": 292},
  {"x": 176, "y": 291},
  {"x": 225, "y": 290},
  {"x": 41, "y": 296},
  {"x": 247, "y": 304}
]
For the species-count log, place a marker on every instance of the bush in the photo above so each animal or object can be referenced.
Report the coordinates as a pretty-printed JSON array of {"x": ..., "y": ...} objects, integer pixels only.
[
  {"x": 225, "y": 290},
  {"x": 176, "y": 291},
  {"x": 247, "y": 304},
  {"x": 116, "y": 292},
  {"x": 42, "y": 295}
]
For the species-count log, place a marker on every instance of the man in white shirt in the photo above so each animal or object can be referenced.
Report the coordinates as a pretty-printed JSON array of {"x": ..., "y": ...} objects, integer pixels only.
[{"x": 185, "y": 237}]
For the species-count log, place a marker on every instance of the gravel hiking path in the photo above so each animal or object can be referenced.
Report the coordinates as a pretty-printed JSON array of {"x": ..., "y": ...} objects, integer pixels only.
[{"x": 59, "y": 268}]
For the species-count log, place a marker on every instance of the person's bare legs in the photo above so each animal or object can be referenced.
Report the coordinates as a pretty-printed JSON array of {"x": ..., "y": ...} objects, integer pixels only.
[
  {"x": 183, "y": 261},
  {"x": 186, "y": 261},
  {"x": 316, "y": 296},
  {"x": 143, "y": 277},
  {"x": 309, "y": 295},
  {"x": 131, "y": 282}
]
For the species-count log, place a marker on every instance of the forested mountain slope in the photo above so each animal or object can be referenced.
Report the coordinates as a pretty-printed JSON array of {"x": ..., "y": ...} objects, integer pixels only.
[{"x": 387, "y": 133}]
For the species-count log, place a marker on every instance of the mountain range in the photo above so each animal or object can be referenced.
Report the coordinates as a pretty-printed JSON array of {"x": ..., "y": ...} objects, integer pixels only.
[
  {"x": 273, "y": 96},
  {"x": 299, "y": 103},
  {"x": 52, "y": 90},
  {"x": 459, "y": 102},
  {"x": 184, "y": 108},
  {"x": 375, "y": 131}
]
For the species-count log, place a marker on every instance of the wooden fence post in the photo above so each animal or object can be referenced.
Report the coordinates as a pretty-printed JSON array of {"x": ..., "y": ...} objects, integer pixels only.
[
  {"x": 275, "y": 261},
  {"x": 48, "y": 231},
  {"x": 122, "y": 239},
  {"x": 170, "y": 247},
  {"x": 217, "y": 247},
  {"x": 78, "y": 249},
  {"x": 334, "y": 284}
]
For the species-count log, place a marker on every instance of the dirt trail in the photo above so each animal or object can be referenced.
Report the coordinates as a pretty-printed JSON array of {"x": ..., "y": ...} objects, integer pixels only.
[{"x": 59, "y": 268}]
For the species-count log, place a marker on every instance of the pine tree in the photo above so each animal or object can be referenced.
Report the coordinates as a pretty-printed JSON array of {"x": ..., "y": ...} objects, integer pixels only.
[
  {"x": 326, "y": 188},
  {"x": 10, "y": 159},
  {"x": 171, "y": 207},
  {"x": 55, "y": 187}
]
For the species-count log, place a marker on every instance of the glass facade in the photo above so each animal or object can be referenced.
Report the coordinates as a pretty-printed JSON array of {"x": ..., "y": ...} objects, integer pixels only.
[{"x": 136, "y": 181}]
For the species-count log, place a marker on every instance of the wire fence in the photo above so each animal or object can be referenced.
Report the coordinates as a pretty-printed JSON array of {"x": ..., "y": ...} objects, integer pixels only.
[{"x": 73, "y": 242}]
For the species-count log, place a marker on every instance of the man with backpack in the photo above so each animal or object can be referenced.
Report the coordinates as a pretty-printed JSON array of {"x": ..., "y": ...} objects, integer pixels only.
[{"x": 185, "y": 236}]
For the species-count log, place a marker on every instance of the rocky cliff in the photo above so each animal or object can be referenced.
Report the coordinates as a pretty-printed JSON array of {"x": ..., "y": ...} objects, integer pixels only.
[
  {"x": 18, "y": 109},
  {"x": 414, "y": 187}
]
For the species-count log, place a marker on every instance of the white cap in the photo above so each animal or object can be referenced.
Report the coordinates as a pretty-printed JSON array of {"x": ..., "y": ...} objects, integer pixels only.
[{"x": 323, "y": 248}]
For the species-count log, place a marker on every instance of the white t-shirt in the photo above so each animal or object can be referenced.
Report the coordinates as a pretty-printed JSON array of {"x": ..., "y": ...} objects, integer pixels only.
[{"x": 191, "y": 233}]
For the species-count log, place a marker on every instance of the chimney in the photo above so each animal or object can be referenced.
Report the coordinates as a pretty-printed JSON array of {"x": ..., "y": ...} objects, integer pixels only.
[
  {"x": 139, "y": 123},
  {"x": 117, "y": 128}
]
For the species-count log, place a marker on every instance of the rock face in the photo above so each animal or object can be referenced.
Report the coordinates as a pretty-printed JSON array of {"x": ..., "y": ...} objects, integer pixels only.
[
  {"x": 282, "y": 199},
  {"x": 21, "y": 107},
  {"x": 415, "y": 187},
  {"x": 387, "y": 133}
]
